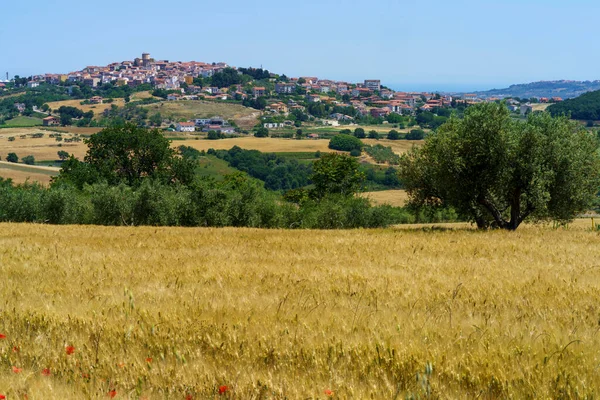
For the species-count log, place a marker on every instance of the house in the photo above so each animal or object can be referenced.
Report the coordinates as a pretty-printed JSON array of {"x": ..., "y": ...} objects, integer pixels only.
[
  {"x": 356, "y": 92},
  {"x": 273, "y": 125},
  {"x": 469, "y": 97},
  {"x": 324, "y": 89},
  {"x": 50, "y": 121},
  {"x": 258, "y": 91},
  {"x": 173, "y": 97},
  {"x": 186, "y": 126},
  {"x": 91, "y": 82},
  {"x": 285, "y": 88},
  {"x": 277, "y": 107},
  {"x": 379, "y": 112},
  {"x": 219, "y": 128},
  {"x": 20, "y": 107},
  {"x": 96, "y": 100},
  {"x": 557, "y": 99},
  {"x": 202, "y": 121},
  {"x": 386, "y": 94},
  {"x": 33, "y": 84},
  {"x": 313, "y": 98},
  {"x": 526, "y": 109},
  {"x": 373, "y": 84}
]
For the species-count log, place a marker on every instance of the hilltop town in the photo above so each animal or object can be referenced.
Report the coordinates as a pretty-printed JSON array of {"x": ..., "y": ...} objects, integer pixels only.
[{"x": 280, "y": 100}]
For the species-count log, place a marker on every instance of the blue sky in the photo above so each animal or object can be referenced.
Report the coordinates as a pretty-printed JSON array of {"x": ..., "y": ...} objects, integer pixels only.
[{"x": 462, "y": 44}]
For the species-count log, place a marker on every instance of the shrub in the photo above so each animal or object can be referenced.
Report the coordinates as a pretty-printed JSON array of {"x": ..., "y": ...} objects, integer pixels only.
[
  {"x": 12, "y": 157},
  {"x": 29, "y": 160},
  {"x": 355, "y": 153},
  {"x": 393, "y": 135}
]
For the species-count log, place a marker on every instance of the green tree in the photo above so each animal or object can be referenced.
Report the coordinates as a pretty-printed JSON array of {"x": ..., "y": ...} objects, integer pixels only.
[
  {"x": 12, "y": 157},
  {"x": 359, "y": 133},
  {"x": 299, "y": 134},
  {"x": 415, "y": 134},
  {"x": 63, "y": 155},
  {"x": 29, "y": 160},
  {"x": 129, "y": 154},
  {"x": 66, "y": 120},
  {"x": 393, "y": 135},
  {"x": 373, "y": 135},
  {"x": 261, "y": 132},
  {"x": 336, "y": 174},
  {"x": 345, "y": 143},
  {"x": 498, "y": 172}
]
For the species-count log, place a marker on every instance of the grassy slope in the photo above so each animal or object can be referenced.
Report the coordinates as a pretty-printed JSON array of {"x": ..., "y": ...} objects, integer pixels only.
[
  {"x": 290, "y": 314},
  {"x": 190, "y": 109},
  {"x": 22, "y": 121}
]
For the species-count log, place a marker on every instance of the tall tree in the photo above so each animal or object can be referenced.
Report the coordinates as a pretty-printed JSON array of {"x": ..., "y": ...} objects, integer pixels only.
[{"x": 498, "y": 172}]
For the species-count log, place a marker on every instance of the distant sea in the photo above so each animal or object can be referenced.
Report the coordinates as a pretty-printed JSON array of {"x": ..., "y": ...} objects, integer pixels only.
[{"x": 441, "y": 87}]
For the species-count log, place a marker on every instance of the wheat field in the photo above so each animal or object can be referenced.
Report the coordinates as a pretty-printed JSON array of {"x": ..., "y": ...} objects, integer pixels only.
[{"x": 155, "y": 313}]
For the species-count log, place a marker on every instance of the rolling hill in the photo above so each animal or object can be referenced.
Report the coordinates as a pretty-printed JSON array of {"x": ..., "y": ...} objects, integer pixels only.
[{"x": 563, "y": 88}]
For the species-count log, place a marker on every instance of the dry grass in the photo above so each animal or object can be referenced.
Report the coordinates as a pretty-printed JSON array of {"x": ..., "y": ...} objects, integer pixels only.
[
  {"x": 397, "y": 198},
  {"x": 398, "y": 146},
  {"x": 266, "y": 145},
  {"x": 21, "y": 173},
  {"x": 45, "y": 148},
  {"x": 540, "y": 106},
  {"x": 167, "y": 312},
  {"x": 245, "y": 117},
  {"x": 98, "y": 109}
]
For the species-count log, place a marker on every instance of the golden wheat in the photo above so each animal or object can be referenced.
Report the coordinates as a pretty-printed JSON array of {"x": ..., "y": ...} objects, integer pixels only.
[{"x": 173, "y": 312}]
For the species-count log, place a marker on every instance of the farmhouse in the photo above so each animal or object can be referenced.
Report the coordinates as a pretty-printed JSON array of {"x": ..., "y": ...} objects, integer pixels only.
[
  {"x": 96, "y": 100},
  {"x": 50, "y": 121},
  {"x": 258, "y": 91},
  {"x": 186, "y": 127}
]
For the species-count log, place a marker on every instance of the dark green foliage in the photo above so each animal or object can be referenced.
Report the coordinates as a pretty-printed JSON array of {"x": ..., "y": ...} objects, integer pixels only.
[
  {"x": 62, "y": 155},
  {"x": 498, "y": 172},
  {"x": 393, "y": 135},
  {"x": 190, "y": 153},
  {"x": 12, "y": 157},
  {"x": 29, "y": 160},
  {"x": 345, "y": 143},
  {"x": 355, "y": 153},
  {"x": 373, "y": 135},
  {"x": 278, "y": 173},
  {"x": 359, "y": 133},
  {"x": 261, "y": 132},
  {"x": 584, "y": 107},
  {"x": 415, "y": 134}
]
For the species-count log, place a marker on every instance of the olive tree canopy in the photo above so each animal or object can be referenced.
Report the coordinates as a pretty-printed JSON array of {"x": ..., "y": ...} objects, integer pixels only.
[{"x": 497, "y": 172}]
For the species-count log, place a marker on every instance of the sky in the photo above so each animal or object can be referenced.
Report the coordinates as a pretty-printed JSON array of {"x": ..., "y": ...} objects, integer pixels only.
[{"x": 409, "y": 45}]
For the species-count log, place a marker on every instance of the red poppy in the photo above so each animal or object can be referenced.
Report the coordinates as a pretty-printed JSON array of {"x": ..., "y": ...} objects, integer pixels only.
[
  {"x": 121, "y": 365},
  {"x": 85, "y": 376},
  {"x": 149, "y": 359},
  {"x": 2, "y": 397},
  {"x": 189, "y": 397},
  {"x": 328, "y": 392},
  {"x": 46, "y": 372},
  {"x": 16, "y": 370},
  {"x": 112, "y": 393},
  {"x": 15, "y": 349},
  {"x": 223, "y": 389},
  {"x": 70, "y": 350},
  {"x": 2, "y": 336}
]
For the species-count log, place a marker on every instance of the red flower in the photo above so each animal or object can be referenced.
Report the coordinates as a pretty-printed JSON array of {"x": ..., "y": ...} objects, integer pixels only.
[
  {"x": 70, "y": 350},
  {"x": 15, "y": 349},
  {"x": 189, "y": 397},
  {"x": 2, "y": 397},
  {"x": 46, "y": 372},
  {"x": 16, "y": 370},
  {"x": 121, "y": 365},
  {"x": 149, "y": 359},
  {"x": 223, "y": 389},
  {"x": 112, "y": 393},
  {"x": 2, "y": 336},
  {"x": 328, "y": 392},
  {"x": 85, "y": 376}
]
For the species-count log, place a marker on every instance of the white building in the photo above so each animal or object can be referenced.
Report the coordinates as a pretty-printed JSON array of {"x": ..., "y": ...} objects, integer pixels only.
[{"x": 186, "y": 127}]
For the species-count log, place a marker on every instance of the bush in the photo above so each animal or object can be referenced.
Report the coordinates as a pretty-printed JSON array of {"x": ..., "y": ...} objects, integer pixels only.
[
  {"x": 261, "y": 132},
  {"x": 355, "y": 153},
  {"x": 12, "y": 157},
  {"x": 393, "y": 135},
  {"x": 373, "y": 135},
  {"x": 359, "y": 133},
  {"x": 29, "y": 160},
  {"x": 345, "y": 143},
  {"x": 416, "y": 134}
]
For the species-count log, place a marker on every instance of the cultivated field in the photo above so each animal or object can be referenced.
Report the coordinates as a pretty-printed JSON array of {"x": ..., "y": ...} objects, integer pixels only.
[
  {"x": 245, "y": 117},
  {"x": 267, "y": 145},
  {"x": 91, "y": 312},
  {"x": 21, "y": 173},
  {"x": 395, "y": 198},
  {"x": 98, "y": 109},
  {"x": 44, "y": 148}
]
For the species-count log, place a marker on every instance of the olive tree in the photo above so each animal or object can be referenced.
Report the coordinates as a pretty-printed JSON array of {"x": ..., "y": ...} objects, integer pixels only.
[{"x": 498, "y": 172}]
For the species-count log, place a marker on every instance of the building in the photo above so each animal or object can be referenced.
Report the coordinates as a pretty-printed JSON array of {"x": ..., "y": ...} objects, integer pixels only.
[
  {"x": 526, "y": 109},
  {"x": 96, "y": 100},
  {"x": 258, "y": 91},
  {"x": 285, "y": 88},
  {"x": 50, "y": 121},
  {"x": 185, "y": 127},
  {"x": 379, "y": 112},
  {"x": 373, "y": 84},
  {"x": 33, "y": 84},
  {"x": 313, "y": 98}
]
